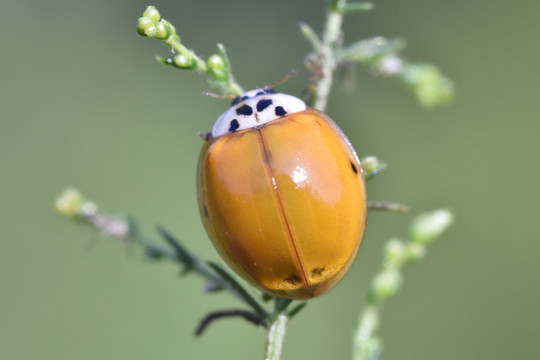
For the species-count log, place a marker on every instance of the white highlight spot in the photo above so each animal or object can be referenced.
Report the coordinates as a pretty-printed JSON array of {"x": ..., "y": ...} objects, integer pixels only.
[{"x": 300, "y": 177}]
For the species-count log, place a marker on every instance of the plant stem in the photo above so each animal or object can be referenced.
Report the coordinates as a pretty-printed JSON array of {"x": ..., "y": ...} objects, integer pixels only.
[
  {"x": 276, "y": 337},
  {"x": 215, "y": 277},
  {"x": 232, "y": 86},
  {"x": 181, "y": 49},
  {"x": 365, "y": 346},
  {"x": 194, "y": 263},
  {"x": 332, "y": 30},
  {"x": 426, "y": 228}
]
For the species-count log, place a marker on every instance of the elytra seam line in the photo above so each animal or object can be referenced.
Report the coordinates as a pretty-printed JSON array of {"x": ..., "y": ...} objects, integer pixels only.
[{"x": 265, "y": 152}]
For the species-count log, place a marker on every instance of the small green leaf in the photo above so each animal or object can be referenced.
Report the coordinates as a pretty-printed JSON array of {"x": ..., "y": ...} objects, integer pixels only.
[
  {"x": 152, "y": 254},
  {"x": 356, "y": 7},
  {"x": 370, "y": 51},
  {"x": 281, "y": 304},
  {"x": 333, "y": 5},
  {"x": 181, "y": 252},
  {"x": 310, "y": 35},
  {"x": 295, "y": 310}
]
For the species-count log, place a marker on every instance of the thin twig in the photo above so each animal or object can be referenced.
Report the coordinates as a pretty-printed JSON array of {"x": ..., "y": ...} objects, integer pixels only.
[
  {"x": 246, "y": 315},
  {"x": 327, "y": 61},
  {"x": 387, "y": 206}
]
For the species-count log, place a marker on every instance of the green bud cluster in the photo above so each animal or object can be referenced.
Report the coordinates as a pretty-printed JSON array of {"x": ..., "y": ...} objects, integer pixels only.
[
  {"x": 425, "y": 229},
  {"x": 152, "y": 25},
  {"x": 430, "y": 87},
  {"x": 216, "y": 68},
  {"x": 71, "y": 204}
]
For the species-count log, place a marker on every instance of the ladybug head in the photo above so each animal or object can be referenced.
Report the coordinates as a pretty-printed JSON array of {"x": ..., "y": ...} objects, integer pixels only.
[{"x": 255, "y": 108}]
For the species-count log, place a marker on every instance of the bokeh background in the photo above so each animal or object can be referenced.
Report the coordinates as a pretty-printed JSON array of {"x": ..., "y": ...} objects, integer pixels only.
[{"x": 84, "y": 103}]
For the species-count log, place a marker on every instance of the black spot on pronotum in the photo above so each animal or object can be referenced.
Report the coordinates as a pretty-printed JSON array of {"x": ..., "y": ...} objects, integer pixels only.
[
  {"x": 293, "y": 279},
  {"x": 280, "y": 111},
  {"x": 263, "y": 104},
  {"x": 234, "y": 125},
  {"x": 268, "y": 90},
  {"x": 206, "y": 211},
  {"x": 317, "y": 272},
  {"x": 244, "y": 110},
  {"x": 354, "y": 168}
]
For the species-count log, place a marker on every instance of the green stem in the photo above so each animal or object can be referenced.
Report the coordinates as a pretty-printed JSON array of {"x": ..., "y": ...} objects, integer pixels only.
[
  {"x": 181, "y": 49},
  {"x": 425, "y": 229},
  {"x": 232, "y": 86},
  {"x": 366, "y": 347},
  {"x": 387, "y": 206},
  {"x": 276, "y": 337},
  {"x": 332, "y": 30}
]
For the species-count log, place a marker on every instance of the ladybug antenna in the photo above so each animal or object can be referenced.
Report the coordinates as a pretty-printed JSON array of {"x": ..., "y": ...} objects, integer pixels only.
[
  {"x": 289, "y": 75},
  {"x": 217, "y": 96}
]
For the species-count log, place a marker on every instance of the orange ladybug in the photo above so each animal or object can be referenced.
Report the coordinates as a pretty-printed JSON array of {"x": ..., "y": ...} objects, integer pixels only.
[{"x": 282, "y": 194}]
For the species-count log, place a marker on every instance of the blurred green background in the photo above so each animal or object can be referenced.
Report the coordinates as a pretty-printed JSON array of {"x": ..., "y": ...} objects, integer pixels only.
[{"x": 84, "y": 103}]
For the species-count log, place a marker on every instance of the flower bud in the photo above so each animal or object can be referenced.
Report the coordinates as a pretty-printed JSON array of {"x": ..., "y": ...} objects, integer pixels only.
[
  {"x": 69, "y": 203},
  {"x": 391, "y": 65},
  {"x": 162, "y": 30},
  {"x": 386, "y": 284},
  {"x": 372, "y": 166},
  {"x": 217, "y": 66},
  {"x": 152, "y": 13},
  {"x": 429, "y": 226},
  {"x": 88, "y": 208},
  {"x": 394, "y": 254},
  {"x": 428, "y": 84},
  {"x": 183, "y": 61},
  {"x": 111, "y": 225},
  {"x": 415, "y": 251},
  {"x": 146, "y": 27}
]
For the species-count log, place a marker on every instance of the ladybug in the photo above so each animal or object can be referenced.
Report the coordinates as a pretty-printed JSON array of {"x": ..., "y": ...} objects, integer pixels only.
[{"x": 282, "y": 194}]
